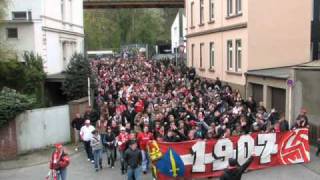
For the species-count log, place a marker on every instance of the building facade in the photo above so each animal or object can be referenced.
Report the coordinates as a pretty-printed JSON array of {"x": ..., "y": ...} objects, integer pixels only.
[
  {"x": 227, "y": 38},
  {"x": 178, "y": 31},
  {"x": 52, "y": 29}
]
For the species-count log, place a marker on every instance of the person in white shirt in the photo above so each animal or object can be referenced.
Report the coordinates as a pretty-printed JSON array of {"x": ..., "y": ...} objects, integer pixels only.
[{"x": 86, "y": 136}]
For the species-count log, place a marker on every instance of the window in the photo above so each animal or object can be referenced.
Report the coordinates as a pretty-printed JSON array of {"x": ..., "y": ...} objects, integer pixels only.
[
  {"x": 191, "y": 9},
  {"x": 201, "y": 12},
  {"x": 238, "y": 55},
  {"x": 12, "y": 32},
  {"x": 229, "y": 55},
  {"x": 211, "y": 55},
  {"x": 62, "y": 10},
  {"x": 192, "y": 54},
  {"x": 229, "y": 7},
  {"x": 19, "y": 15},
  {"x": 238, "y": 6},
  {"x": 201, "y": 53},
  {"x": 211, "y": 17}
]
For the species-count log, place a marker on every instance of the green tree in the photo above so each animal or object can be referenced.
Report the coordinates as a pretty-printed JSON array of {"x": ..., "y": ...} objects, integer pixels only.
[
  {"x": 110, "y": 28},
  {"x": 13, "y": 103},
  {"x": 75, "y": 85},
  {"x": 26, "y": 77},
  {"x": 34, "y": 73}
]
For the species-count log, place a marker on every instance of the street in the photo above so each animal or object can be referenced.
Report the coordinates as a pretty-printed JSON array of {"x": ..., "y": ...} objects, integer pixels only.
[{"x": 80, "y": 169}]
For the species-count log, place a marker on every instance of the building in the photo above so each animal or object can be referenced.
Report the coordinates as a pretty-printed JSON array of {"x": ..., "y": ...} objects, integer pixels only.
[
  {"x": 178, "y": 32},
  {"x": 315, "y": 33},
  {"x": 52, "y": 29},
  {"x": 289, "y": 89},
  {"x": 227, "y": 38}
]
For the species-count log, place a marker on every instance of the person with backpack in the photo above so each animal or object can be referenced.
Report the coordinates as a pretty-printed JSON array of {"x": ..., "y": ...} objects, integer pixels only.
[
  {"x": 58, "y": 163},
  {"x": 96, "y": 145}
]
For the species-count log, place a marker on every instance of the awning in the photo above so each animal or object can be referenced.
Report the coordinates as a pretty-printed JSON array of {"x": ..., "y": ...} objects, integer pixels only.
[{"x": 60, "y": 77}]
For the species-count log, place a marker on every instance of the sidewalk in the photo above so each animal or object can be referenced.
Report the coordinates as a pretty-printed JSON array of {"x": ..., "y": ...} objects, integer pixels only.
[
  {"x": 314, "y": 165},
  {"x": 33, "y": 158}
]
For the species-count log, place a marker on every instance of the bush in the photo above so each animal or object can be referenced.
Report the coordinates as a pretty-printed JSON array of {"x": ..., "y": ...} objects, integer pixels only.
[
  {"x": 75, "y": 85},
  {"x": 12, "y": 104}
]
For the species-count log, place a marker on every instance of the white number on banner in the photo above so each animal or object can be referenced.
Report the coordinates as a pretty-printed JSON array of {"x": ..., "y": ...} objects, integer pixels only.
[
  {"x": 266, "y": 146},
  {"x": 245, "y": 148},
  {"x": 198, "y": 151},
  {"x": 223, "y": 151}
]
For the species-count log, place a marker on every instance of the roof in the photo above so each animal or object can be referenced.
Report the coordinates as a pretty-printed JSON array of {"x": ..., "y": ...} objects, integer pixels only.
[
  {"x": 310, "y": 65},
  {"x": 60, "y": 77},
  {"x": 279, "y": 73}
]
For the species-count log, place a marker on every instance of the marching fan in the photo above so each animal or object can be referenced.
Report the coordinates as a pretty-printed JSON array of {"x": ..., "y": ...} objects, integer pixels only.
[
  {"x": 235, "y": 171},
  {"x": 58, "y": 164}
]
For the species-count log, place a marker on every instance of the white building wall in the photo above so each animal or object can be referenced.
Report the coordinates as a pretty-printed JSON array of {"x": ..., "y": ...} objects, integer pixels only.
[
  {"x": 25, "y": 40},
  {"x": 42, "y": 127},
  {"x": 175, "y": 34},
  {"x": 35, "y": 6},
  {"x": 48, "y": 31},
  {"x": 54, "y": 63},
  {"x": 175, "y": 30}
]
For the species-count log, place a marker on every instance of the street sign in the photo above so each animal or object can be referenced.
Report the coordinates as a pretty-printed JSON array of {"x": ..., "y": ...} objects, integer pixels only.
[{"x": 290, "y": 82}]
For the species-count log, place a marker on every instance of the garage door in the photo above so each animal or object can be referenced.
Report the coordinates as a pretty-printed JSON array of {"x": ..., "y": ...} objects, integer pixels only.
[
  {"x": 257, "y": 92},
  {"x": 278, "y": 99}
]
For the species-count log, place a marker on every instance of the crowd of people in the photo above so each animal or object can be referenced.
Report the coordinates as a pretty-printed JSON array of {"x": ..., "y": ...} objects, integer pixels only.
[{"x": 139, "y": 101}]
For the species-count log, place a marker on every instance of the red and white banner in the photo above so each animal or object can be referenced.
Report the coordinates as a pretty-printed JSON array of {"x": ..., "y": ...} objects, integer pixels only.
[{"x": 210, "y": 157}]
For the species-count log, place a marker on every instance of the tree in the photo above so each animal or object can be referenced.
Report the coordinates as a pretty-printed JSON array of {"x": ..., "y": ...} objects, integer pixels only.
[
  {"x": 109, "y": 29},
  {"x": 26, "y": 77},
  {"x": 34, "y": 73},
  {"x": 75, "y": 85},
  {"x": 13, "y": 103}
]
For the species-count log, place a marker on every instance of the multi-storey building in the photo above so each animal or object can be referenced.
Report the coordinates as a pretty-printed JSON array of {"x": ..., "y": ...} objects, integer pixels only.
[
  {"x": 227, "y": 38},
  {"x": 178, "y": 31},
  {"x": 50, "y": 28}
]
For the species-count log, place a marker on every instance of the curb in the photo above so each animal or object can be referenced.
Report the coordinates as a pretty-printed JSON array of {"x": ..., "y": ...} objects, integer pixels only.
[{"x": 36, "y": 163}]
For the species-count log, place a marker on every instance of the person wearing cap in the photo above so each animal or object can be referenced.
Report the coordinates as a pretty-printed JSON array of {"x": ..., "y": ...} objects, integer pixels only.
[
  {"x": 235, "y": 171},
  {"x": 122, "y": 139},
  {"x": 59, "y": 162},
  {"x": 86, "y": 135},
  {"x": 96, "y": 145},
  {"x": 133, "y": 159}
]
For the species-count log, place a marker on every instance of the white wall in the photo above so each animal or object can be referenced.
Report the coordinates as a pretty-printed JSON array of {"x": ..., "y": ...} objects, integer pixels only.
[
  {"x": 54, "y": 63},
  {"x": 42, "y": 127},
  {"x": 25, "y": 5},
  {"x": 175, "y": 34},
  {"x": 25, "y": 40},
  {"x": 48, "y": 30},
  {"x": 175, "y": 30}
]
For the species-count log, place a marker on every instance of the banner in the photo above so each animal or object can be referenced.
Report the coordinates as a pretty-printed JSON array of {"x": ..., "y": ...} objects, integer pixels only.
[{"x": 208, "y": 158}]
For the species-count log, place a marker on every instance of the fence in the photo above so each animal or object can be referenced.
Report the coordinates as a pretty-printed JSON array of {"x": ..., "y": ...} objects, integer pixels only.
[{"x": 42, "y": 127}]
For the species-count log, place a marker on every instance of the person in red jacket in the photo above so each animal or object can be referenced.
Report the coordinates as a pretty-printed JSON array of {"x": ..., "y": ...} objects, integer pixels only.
[
  {"x": 139, "y": 106},
  {"x": 143, "y": 140},
  {"x": 122, "y": 140},
  {"x": 59, "y": 163}
]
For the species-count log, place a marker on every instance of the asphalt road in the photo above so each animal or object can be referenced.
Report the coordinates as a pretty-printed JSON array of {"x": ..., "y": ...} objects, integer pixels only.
[{"x": 80, "y": 169}]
